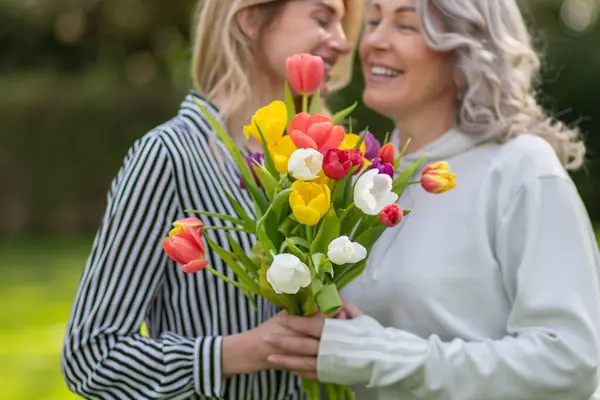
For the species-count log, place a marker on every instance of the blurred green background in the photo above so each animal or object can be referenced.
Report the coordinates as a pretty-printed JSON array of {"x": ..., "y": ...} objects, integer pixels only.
[{"x": 80, "y": 80}]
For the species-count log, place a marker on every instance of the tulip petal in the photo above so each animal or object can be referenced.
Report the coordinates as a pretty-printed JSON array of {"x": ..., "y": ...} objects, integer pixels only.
[
  {"x": 168, "y": 247},
  {"x": 194, "y": 266},
  {"x": 320, "y": 132},
  {"x": 306, "y": 215},
  {"x": 301, "y": 122},
  {"x": 335, "y": 138},
  {"x": 302, "y": 140}
]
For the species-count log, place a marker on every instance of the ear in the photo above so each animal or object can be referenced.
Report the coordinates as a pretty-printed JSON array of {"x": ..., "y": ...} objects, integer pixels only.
[{"x": 248, "y": 21}]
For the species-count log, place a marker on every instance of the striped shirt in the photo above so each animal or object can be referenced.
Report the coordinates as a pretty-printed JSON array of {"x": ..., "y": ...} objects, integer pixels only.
[{"x": 129, "y": 280}]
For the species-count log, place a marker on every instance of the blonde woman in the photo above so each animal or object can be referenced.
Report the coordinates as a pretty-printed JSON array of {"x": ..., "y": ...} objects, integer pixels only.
[
  {"x": 490, "y": 291},
  {"x": 205, "y": 339}
]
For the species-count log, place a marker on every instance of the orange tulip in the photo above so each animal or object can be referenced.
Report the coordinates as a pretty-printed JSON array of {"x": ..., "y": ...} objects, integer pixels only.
[
  {"x": 305, "y": 73},
  {"x": 387, "y": 153},
  {"x": 185, "y": 246}
]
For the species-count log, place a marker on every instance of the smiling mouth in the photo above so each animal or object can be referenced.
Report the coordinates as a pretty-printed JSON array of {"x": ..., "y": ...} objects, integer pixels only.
[{"x": 378, "y": 70}]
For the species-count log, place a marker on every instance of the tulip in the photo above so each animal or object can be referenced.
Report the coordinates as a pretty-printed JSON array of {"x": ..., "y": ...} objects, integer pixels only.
[
  {"x": 372, "y": 145},
  {"x": 282, "y": 152},
  {"x": 350, "y": 141},
  {"x": 337, "y": 163},
  {"x": 343, "y": 251},
  {"x": 185, "y": 246},
  {"x": 373, "y": 191},
  {"x": 251, "y": 160},
  {"x": 387, "y": 153},
  {"x": 309, "y": 201},
  {"x": 305, "y": 73},
  {"x": 305, "y": 164},
  {"x": 287, "y": 274},
  {"x": 391, "y": 215},
  {"x": 383, "y": 168},
  {"x": 315, "y": 132},
  {"x": 272, "y": 120},
  {"x": 437, "y": 178}
]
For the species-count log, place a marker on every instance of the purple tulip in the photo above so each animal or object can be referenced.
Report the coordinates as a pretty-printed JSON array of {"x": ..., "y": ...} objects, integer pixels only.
[
  {"x": 383, "y": 168},
  {"x": 251, "y": 160},
  {"x": 372, "y": 146}
]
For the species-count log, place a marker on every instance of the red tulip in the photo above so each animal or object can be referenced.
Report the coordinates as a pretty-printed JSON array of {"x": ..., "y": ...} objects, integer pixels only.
[
  {"x": 337, "y": 163},
  {"x": 387, "y": 153},
  {"x": 185, "y": 246},
  {"x": 315, "y": 132},
  {"x": 391, "y": 215},
  {"x": 305, "y": 73}
]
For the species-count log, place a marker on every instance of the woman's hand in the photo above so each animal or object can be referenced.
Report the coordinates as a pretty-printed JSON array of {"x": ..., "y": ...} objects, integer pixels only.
[{"x": 297, "y": 349}]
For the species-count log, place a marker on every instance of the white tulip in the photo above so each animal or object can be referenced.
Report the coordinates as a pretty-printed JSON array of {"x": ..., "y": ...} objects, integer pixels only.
[
  {"x": 287, "y": 274},
  {"x": 343, "y": 251},
  {"x": 373, "y": 191},
  {"x": 305, "y": 164}
]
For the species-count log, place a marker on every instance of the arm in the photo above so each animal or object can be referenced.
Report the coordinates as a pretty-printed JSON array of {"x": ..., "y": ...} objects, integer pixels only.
[
  {"x": 550, "y": 264},
  {"x": 104, "y": 356}
]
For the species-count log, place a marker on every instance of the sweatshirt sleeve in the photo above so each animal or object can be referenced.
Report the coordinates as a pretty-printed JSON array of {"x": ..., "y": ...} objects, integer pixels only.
[
  {"x": 104, "y": 354},
  {"x": 550, "y": 265}
]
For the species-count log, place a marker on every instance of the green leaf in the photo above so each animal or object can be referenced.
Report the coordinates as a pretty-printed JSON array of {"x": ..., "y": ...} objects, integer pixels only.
[
  {"x": 350, "y": 272},
  {"x": 295, "y": 250},
  {"x": 240, "y": 255},
  {"x": 329, "y": 230},
  {"x": 286, "y": 227},
  {"x": 296, "y": 240},
  {"x": 260, "y": 202},
  {"x": 322, "y": 264},
  {"x": 249, "y": 223},
  {"x": 280, "y": 203},
  {"x": 224, "y": 217},
  {"x": 240, "y": 272},
  {"x": 343, "y": 192},
  {"x": 315, "y": 103},
  {"x": 350, "y": 220},
  {"x": 342, "y": 114},
  {"x": 268, "y": 182},
  {"x": 401, "y": 182},
  {"x": 269, "y": 163},
  {"x": 290, "y": 105}
]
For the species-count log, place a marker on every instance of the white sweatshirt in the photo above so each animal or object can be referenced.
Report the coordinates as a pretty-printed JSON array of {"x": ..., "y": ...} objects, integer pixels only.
[{"x": 490, "y": 291}]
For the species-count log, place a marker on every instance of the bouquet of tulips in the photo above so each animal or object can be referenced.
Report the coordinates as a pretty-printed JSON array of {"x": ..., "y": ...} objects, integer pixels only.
[{"x": 321, "y": 196}]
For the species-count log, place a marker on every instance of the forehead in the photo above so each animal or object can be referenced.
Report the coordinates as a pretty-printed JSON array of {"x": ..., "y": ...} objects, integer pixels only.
[
  {"x": 337, "y": 6},
  {"x": 393, "y": 5}
]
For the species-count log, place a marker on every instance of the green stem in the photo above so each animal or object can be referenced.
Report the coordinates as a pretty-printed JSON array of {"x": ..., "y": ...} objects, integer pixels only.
[
  {"x": 309, "y": 234},
  {"x": 414, "y": 182},
  {"x": 346, "y": 211},
  {"x": 226, "y": 279},
  {"x": 304, "y": 103}
]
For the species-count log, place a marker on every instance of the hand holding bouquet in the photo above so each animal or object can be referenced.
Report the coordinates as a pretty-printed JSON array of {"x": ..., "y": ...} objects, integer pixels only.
[{"x": 321, "y": 199}]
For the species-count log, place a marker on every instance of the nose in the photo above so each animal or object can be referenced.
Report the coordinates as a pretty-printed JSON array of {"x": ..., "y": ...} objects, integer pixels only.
[
  {"x": 376, "y": 39},
  {"x": 338, "y": 41}
]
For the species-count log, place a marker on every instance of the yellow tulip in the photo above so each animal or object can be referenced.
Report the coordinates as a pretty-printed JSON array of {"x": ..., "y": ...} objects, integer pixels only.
[
  {"x": 350, "y": 141},
  {"x": 272, "y": 120},
  {"x": 281, "y": 153},
  {"x": 309, "y": 201}
]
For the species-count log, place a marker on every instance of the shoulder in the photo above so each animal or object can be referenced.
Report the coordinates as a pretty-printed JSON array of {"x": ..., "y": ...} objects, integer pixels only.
[{"x": 527, "y": 157}]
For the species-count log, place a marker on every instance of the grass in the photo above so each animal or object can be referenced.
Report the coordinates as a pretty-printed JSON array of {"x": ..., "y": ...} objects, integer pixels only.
[{"x": 39, "y": 280}]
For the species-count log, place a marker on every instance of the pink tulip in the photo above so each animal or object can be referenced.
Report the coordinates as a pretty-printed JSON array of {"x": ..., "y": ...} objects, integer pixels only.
[
  {"x": 305, "y": 73},
  {"x": 315, "y": 132},
  {"x": 437, "y": 178},
  {"x": 185, "y": 246}
]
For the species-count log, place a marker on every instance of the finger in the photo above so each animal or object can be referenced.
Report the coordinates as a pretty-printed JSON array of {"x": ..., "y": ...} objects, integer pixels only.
[
  {"x": 307, "y": 374},
  {"x": 294, "y": 363},
  {"x": 297, "y": 345},
  {"x": 312, "y": 326}
]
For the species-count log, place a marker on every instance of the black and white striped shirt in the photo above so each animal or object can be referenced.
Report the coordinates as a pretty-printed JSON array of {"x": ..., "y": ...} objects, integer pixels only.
[{"x": 128, "y": 280}]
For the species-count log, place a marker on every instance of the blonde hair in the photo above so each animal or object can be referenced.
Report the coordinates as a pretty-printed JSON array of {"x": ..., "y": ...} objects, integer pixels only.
[
  {"x": 497, "y": 64},
  {"x": 222, "y": 53}
]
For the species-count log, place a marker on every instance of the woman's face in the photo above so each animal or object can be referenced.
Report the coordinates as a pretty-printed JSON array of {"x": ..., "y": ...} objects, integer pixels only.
[
  {"x": 305, "y": 26},
  {"x": 402, "y": 74}
]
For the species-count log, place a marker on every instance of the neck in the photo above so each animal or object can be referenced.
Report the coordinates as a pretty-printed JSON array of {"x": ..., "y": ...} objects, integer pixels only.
[{"x": 426, "y": 124}]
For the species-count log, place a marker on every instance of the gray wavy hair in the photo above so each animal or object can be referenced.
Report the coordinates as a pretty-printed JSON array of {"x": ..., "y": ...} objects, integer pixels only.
[{"x": 497, "y": 66}]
